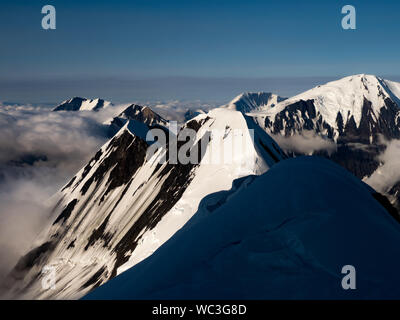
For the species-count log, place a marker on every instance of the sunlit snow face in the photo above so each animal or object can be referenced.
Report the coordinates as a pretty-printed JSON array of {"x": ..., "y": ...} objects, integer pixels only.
[{"x": 210, "y": 147}]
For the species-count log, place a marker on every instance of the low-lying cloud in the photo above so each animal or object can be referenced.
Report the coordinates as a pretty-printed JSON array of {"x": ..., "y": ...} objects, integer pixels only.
[
  {"x": 388, "y": 173},
  {"x": 40, "y": 151},
  {"x": 23, "y": 213},
  {"x": 307, "y": 142}
]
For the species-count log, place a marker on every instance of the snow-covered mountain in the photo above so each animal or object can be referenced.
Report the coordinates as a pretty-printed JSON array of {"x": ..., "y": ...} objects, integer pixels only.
[
  {"x": 137, "y": 113},
  {"x": 121, "y": 206},
  {"x": 356, "y": 114},
  {"x": 356, "y": 108},
  {"x": 254, "y": 101},
  {"x": 284, "y": 235},
  {"x": 82, "y": 104}
]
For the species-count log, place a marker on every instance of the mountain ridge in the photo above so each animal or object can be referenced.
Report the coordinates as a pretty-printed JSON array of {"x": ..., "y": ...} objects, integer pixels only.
[
  {"x": 248, "y": 102},
  {"x": 82, "y": 104},
  {"x": 121, "y": 207},
  {"x": 293, "y": 252}
]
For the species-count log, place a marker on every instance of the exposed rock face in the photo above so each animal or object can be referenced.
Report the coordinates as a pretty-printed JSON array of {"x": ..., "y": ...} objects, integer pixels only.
[{"x": 303, "y": 115}]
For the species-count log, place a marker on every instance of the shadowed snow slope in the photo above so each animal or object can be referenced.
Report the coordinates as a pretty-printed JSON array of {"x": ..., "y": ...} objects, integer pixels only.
[{"x": 285, "y": 234}]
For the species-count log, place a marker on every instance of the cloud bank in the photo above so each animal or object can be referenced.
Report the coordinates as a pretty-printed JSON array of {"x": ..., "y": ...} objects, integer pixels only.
[
  {"x": 388, "y": 173},
  {"x": 39, "y": 152},
  {"x": 308, "y": 142}
]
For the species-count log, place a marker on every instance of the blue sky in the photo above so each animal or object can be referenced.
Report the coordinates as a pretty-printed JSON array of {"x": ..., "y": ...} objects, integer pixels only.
[{"x": 220, "y": 39}]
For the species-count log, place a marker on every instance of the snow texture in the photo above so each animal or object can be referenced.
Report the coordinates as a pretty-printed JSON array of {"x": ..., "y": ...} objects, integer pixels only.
[{"x": 283, "y": 235}]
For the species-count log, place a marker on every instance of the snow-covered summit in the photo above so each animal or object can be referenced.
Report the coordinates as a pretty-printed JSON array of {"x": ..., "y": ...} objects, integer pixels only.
[
  {"x": 135, "y": 113},
  {"x": 346, "y": 97},
  {"x": 357, "y": 108},
  {"x": 350, "y": 117},
  {"x": 254, "y": 101},
  {"x": 143, "y": 114},
  {"x": 82, "y": 104}
]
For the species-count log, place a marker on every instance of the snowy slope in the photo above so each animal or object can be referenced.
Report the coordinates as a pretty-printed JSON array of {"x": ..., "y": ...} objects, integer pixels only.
[
  {"x": 283, "y": 235},
  {"x": 254, "y": 101},
  {"x": 121, "y": 207},
  {"x": 393, "y": 88},
  {"x": 210, "y": 177},
  {"x": 82, "y": 104}
]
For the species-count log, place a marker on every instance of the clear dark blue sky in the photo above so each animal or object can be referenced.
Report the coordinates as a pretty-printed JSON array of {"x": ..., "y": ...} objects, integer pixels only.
[{"x": 219, "y": 39}]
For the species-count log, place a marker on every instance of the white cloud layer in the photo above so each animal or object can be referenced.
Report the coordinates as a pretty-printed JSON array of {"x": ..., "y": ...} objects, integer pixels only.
[
  {"x": 388, "y": 173},
  {"x": 40, "y": 151},
  {"x": 307, "y": 143}
]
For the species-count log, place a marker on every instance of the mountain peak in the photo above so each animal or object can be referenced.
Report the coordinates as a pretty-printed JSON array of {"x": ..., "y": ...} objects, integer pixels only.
[
  {"x": 254, "y": 101},
  {"x": 346, "y": 98},
  {"x": 142, "y": 116},
  {"x": 82, "y": 104}
]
